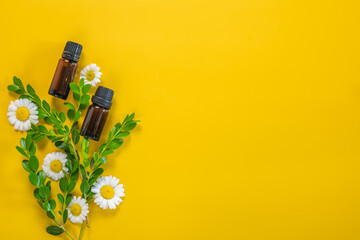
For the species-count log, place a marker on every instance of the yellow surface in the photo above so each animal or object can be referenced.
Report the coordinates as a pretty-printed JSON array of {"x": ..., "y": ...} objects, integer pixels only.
[{"x": 250, "y": 115}]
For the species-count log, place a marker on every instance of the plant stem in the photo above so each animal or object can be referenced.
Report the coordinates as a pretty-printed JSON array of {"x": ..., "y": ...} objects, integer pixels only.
[
  {"x": 67, "y": 233},
  {"x": 81, "y": 231},
  {"x": 56, "y": 220},
  {"x": 108, "y": 142}
]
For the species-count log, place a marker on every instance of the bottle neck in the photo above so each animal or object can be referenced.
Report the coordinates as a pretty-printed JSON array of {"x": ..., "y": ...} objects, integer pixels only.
[
  {"x": 100, "y": 105},
  {"x": 68, "y": 60}
]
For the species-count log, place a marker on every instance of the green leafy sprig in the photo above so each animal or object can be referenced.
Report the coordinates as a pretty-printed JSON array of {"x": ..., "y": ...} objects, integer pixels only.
[{"x": 66, "y": 137}]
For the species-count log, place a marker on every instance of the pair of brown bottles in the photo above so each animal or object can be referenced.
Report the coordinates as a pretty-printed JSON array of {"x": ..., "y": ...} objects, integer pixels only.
[{"x": 60, "y": 86}]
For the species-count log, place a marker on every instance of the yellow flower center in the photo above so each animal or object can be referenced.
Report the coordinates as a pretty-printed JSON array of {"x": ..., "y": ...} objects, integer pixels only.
[
  {"x": 22, "y": 113},
  {"x": 107, "y": 192},
  {"x": 90, "y": 75},
  {"x": 75, "y": 209},
  {"x": 56, "y": 166}
]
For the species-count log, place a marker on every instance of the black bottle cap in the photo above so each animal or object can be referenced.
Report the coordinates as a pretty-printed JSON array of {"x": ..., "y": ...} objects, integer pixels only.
[
  {"x": 103, "y": 97},
  {"x": 72, "y": 51}
]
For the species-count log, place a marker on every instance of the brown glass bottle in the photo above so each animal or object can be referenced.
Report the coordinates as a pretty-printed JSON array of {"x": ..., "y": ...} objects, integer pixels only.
[
  {"x": 97, "y": 113},
  {"x": 65, "y": 70}
]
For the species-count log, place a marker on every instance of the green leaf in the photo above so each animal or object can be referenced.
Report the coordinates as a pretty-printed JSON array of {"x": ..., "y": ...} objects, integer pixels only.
[
  {"x": 77, "y": 116},
  {"x": 44, "y": 191},
  {"x": 49, "y": 120},
  {"x": 17, "y": 82},
  {"x": 82, "y": 82},
  {"x": 30, "y": 89},
  {"x": 32, "y": 148},
  {"x": 68, "y": 199},
  {"x": 71, "y": 186},
  {"x": 25, "y": 97},
  {"x": 63, "y": 185},
  {"x": 28, "y": 141},
  {"x": 84, "y": 187},
  {"x": 62, "y": 117},
  {"x": 61, "y": 198},
  {"x": 20, "y": 150},
  {"x": 26, "y": 166},
  {"x": 46, "y": 106},
  {"x": 85, "y": 145},
  {"x": 34, "y": 163},
  {"x": 107, "y": 152},
  {"x": 85, "y": 151},
  {"x": 61, "y": 145},
  {"x": 42, "y": 129},
  {"x": 97, "y": 172},
  {"x": 65, "y": 216},
  {"x": 116, "y": 143},
  {"x": 13, "y": 88},
  {"x": 54, "y": 112},
  {"x": 83, "y": 172},
  {"x": 36, "y": 194},
  {"x": 21, "y": 91},
  {"x": 129, "y": 118},
  {"x": 46, "y": 206},
  {"x": 109, "y": 136},
  {"x": 86, "y": 88},
  {"x": 74, "y": 175},
  {"x": 54, "y": 230},
  {"x": 71, "y": 114},
  {"x": 48, "y": 184},
  {"x": 52, "y": 204},
  {"x": 34, "y": 179},
  {"x": 92, "y": 180},
  {"x": 75, "y": 166},
  {"x": 123, "y": 134},
  {"x": 102, "y": 147},
  {"x": 84, "y": 99},
  {"x": 83, "y": 106},
  {"x": 40, "y": 138},
  {"x": 69, "y": 105},
  {"x": 74, "y": 87},
  {"x": 130, "y": 126},
  {"x": 117, "y": 127},
  {"x": 76, "y": 96},
  {"x": 102, "y": 160},
  {"x": 23, "y": 143},
  {"x": 50, "y": 215},
  {"x": 76, "y": 136},
  {"x": 42, "y": 176}
]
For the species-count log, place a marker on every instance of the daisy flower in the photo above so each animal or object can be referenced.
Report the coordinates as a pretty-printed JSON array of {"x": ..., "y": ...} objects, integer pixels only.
[
  {"x": 77, "y": 210},
  {"x": 108, "y": 192},
  {"x": 22, "y": 113},
  {"x": 54, "y": 165},
  {"x": 91, "y": 74}
]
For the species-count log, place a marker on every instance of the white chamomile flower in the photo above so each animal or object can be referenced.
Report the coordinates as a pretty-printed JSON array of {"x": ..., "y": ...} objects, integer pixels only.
[
  {"x": 91, "y": 74},
  {"x": 22, "y": 113},
  {"x": 54, "y": 165},
  {"x": 108, "y": 192},
  {"x": 77, "y": 210}
]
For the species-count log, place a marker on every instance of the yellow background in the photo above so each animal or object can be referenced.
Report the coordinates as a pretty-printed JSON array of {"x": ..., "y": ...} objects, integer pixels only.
[{"x": 250, "y": 115}]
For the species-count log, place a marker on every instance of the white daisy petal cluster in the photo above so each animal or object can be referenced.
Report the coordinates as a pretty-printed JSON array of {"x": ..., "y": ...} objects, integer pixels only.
[
  {"x": 22, "y": 113},
  {"x": 77, "y": 210},
  {"x": 108, "y": 192},
  {"x": 91, "y": 74},
  {"x": 54, "y": 165}
]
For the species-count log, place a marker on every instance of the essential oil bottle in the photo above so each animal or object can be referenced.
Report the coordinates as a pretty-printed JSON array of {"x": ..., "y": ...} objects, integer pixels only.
[
  {"x": 65, "y": 70},
  {"x": 97, "y": 113}
]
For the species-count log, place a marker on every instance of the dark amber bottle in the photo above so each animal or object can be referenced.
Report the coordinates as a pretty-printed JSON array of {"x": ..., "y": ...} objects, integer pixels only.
[
  {"x": 97, "y": 113},
  {"x": 65, "y": 70}
]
